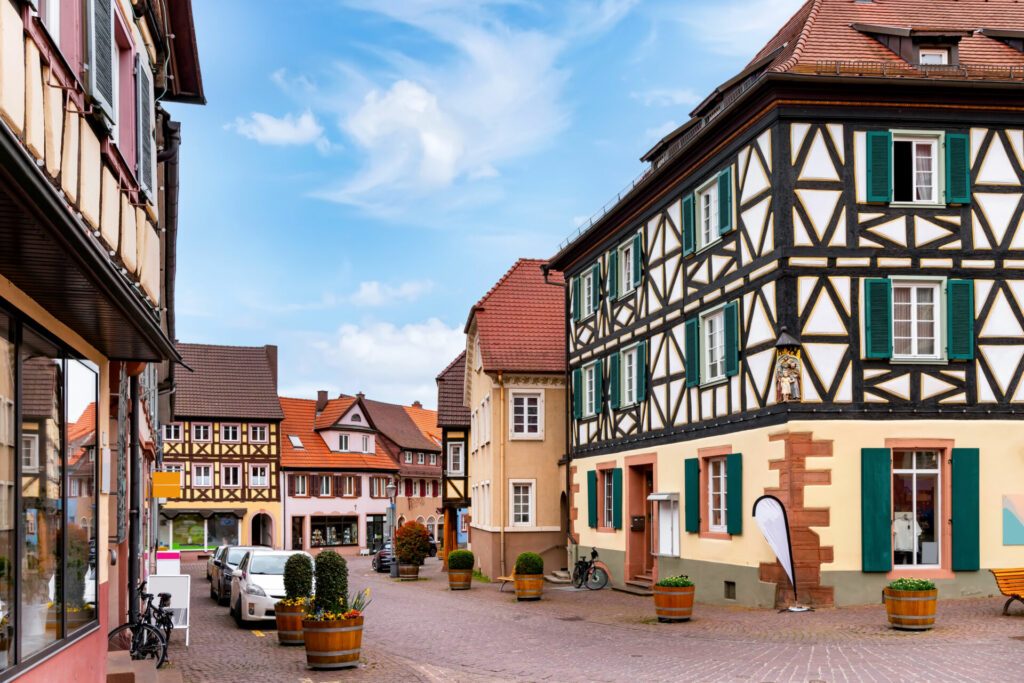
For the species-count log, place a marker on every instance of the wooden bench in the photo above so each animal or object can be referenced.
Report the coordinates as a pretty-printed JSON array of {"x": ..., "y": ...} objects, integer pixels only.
[
  {"x": 1011, "y": 584},
  {"x": 504, "y": 580}
]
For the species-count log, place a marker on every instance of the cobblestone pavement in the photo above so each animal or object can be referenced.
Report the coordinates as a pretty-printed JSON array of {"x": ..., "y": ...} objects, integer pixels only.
[{"x": 422, "y": 632}]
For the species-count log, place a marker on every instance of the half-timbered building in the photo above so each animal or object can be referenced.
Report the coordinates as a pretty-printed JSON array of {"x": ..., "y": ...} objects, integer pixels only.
[
  {"x": 816, "y": 292},
  {"x": 225, "y": 440},
  {"x": 453, "y": 418}
]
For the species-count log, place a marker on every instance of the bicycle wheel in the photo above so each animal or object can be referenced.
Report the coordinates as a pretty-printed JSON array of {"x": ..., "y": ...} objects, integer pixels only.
[
  {"x": 597, "y": 579},
  {"x": 577, "y": 577},
  {"x": 141, "y": 640}
]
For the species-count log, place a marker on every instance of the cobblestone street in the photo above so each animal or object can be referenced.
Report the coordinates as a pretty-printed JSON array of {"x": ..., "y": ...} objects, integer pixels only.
[{"x": 421, "y": 631}]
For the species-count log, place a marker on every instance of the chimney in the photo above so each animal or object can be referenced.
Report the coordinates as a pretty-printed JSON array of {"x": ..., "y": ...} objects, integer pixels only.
[
  {"x": 272, "y": 360},
  {"x": 321, "y": 401},
  {"x": 360, "y": 396},
  {"x": 417, "y": 404}
]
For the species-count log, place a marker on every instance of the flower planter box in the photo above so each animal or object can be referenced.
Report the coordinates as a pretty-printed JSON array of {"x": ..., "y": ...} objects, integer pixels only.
[
  {"x": 289, "y": 623},
  {"x": 333, "y": 644},
  {"x": 673, "y": 603},
  {"x": 529, "y": 586},
  {"x": 460, "y": 579},
  {"x": 910, "y": 610}
]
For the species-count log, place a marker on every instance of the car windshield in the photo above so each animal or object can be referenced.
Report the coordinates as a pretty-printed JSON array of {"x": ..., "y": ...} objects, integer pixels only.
[
  {"x": 235, "y": 555},
  {"x": 268, "y": 564}
]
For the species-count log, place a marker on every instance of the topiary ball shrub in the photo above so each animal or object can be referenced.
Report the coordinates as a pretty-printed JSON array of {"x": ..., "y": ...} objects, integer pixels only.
[
  {"x": 331, "y": 583},
  {"x": 461, "y": 559},
  {"x": 529, "y": 563},
  {"x": 298, "y": 577},
  {"x": 412, "y": 543}
]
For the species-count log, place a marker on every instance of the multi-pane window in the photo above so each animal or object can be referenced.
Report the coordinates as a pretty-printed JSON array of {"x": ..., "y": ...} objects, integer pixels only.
[
  {"x": 629, "y": 376},
  {"x": 30, "y": 452},
  {"x": 378, "y": 487},
  {"x": 201, "y": 432},
  {"x": 607, "y": 499},
  {"x": 707, "y": 214},
  {"x": 420, "y": 459},
  {"x": 626, "y": 274},
  {"x": 333, "y": 531},
  {"x": 325, "y": 485},
  {"x": 258, "y": 476},
  {"x": 299, "y": 482},
  {"x": 366, "y": 444},
  {"x": 433, "y": 458},
  {"x": 408, "y": 458},
  {"x": 172, "y": 432},
  {"x": 522, "y": 503},
  {"x": 587, "y": 285},
  {"x": 933, "y": 56},
  {"x": 258, "y": 433},
  {"x": 916, "y": 505},
  {"x": 230, "y": 433},
  {"x": 526, "y": 414},
  {"x": 231, "y": 476},
  {"x": 343, "y": 442},
  {"x": 714, "y": 345},
  {"x": 590, "y": 389},
  {"x": 456, "y": 460},
  {"x": 173, "y": 467},
  {"x": 348, "y": 486},
  {"x": 202, "y": 475},
  {"x": 716, "y": 495},
  {"x": 916, "y": 169},
  {"x": 915, "y": 317}
]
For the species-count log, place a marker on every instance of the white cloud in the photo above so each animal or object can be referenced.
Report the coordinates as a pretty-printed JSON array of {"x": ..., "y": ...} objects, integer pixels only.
[
  {"x": 284, "y": 131},
  {"x": 736, "y": 28},
  {"x": 666, "y": 97},
  {"x": 656, "y": 133},
  {"x": 373, "y": 293}
]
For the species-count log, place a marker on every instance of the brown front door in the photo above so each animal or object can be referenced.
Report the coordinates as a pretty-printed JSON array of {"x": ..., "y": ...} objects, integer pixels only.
[
  {"x": 649, "y": 522},
  {"x": 638, "y": 552}
]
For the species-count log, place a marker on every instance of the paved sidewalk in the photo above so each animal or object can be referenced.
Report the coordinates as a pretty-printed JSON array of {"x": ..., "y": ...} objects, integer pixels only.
[{"x": 422, "y": 631}]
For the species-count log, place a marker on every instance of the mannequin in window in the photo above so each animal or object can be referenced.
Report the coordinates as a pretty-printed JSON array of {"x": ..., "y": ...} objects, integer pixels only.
[{"x": 905, "y": 530}]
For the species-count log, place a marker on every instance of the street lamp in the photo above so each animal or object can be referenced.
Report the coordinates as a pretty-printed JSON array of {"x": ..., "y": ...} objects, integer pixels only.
[{"x": 391, "y": 490}]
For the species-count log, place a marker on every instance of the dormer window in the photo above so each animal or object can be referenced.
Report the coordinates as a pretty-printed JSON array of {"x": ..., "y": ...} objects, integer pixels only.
[{"x": 933, "y": 56}]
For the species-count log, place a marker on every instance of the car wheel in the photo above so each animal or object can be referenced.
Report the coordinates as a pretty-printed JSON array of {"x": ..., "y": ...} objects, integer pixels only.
[
  {"x": 213, "y": 593},
  {"x": 236, "y": 612}
]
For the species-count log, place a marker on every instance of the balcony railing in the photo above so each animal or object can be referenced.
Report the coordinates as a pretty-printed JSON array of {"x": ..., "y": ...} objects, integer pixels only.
[{"x": 1000, "y": 72}]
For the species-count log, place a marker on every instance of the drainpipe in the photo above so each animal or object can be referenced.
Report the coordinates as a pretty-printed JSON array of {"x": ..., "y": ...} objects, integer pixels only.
[
  {"x": 501, "y": 459},
  {"x": 134, "y": 501}
]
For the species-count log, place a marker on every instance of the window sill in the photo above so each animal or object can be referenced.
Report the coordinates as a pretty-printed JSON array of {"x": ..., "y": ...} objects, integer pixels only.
[
  {"x": 627, "y": 294},
  {"x": 526, "y": 437},
  {"x": 918, "y": 361},
  {"x": 714, "y": 382},
  {"x": 920, "y": 573},
  {"x": 606, "y": 530},
  {"x": 716, "y": 535},
  {"x": 917, "y": 205},
  {"x": 707, "y": 246}
]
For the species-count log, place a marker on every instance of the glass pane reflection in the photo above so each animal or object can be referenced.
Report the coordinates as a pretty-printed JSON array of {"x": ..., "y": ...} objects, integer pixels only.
[{"x": 81, "y": 481}]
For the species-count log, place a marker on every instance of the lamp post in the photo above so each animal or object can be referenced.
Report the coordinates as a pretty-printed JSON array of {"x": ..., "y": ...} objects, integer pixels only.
[{"x": 392, "y": 490}]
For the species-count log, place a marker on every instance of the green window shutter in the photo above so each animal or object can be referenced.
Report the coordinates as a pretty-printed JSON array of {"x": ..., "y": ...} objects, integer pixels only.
[
  {"x": 576, "y": 299},
  {"x": 876, "y": 509},
  {"x": 689, "y": 226},
  {"x": 617, "y": 497},
  {"x": 577, "y": 393},
  {"x": 613, "y": 273},
  {"x": 641, "y": 372},
  {"x": 734, "y": 493},
  {"x": 592, "y": 499},
  {"x": 692, "y": 349},
  {"x": 879, "y": 163},
  {"x": 613, "y": 382},
  {"x": 958, "y": 168},
  {"x": 595, "y": 302},
  {"x": 692, "y": 481},
  {"x": 960, "y": 319},
  {"x": 638, "y": 258},
  {"x": 966, "y": 553},
  {"x": 725, "y": 201},
  {"x": 732, "y": 339},
  {"x": 878, "y": 318},
  {"x": 598, "y": 389}
]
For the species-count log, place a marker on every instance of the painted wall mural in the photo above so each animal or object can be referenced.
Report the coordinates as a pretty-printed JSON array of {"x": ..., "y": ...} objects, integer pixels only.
[{"x": 1013, "y": 519}]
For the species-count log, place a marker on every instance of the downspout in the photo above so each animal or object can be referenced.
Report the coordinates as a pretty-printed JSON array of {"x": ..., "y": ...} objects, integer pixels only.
[
  {"x": 501, "y": 465},
  {"x": 134, "y": 501}
]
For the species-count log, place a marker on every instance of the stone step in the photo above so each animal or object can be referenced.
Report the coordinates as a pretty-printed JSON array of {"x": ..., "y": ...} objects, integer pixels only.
[
  {"x": 633, "y": 589},
  {"x": 554, "y": 577},
  {"x": 561, "y": 574},
  {"x": 122, "y": 669}
]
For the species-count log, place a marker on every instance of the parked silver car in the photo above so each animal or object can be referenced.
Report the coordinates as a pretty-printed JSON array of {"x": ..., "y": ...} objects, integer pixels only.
[
  {"x": 258, "y": 583},
  {"x": 209, "y": 564},
  {"x": 223, "y": 567}
]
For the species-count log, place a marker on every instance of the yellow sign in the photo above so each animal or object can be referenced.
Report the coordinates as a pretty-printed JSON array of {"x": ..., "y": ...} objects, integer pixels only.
[{"x": 167, "y": 484}]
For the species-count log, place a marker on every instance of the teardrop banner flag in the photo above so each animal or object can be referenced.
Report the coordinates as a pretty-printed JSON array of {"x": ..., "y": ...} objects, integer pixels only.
[{"x": 770, "y": 514}]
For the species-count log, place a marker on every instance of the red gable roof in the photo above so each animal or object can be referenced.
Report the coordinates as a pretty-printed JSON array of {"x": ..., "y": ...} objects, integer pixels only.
[
  {"x": 82, "y": 433},
  {"x": 426, "y": 420},
  {"x": 521, "y": 321},
  {"x": 299, "y": 420},
  {"x": 333, "y": 411}
]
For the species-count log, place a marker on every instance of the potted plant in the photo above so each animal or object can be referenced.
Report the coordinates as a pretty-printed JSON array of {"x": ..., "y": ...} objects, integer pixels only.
[
  {"x": 298, "y": 586},
  {"x": 529, "y": 576},
  {"x": 673, "y": 598},
  {"x": 333, "y": 629},
  {"x": 460, "y": 570},
  {"x": 412, "y": 543},
  {"x": 910, "y": 604}
]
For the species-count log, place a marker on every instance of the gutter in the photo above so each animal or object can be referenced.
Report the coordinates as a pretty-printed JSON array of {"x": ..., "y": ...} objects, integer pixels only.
[{"x": 501, "y": 460}]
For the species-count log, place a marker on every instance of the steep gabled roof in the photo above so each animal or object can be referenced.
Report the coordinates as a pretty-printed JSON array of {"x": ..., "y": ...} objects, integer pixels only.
[
  {"x": 299, "y": 419},
  {"x": 426, "y": 420},
  {"x": 394, "y": 422},
  {"x": 334, "y": 411},
  {"x": 521, "y": 321},
  {"x": 450, "y": 389},
  {"x": 227, "y": 382}
]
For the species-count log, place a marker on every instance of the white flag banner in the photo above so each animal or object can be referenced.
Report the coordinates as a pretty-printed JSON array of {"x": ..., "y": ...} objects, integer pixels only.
[{"x": 771, "y": 518}]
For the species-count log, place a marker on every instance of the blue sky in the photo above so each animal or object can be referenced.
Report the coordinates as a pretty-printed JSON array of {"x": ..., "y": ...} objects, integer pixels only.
[{"x": 366, "y": 169}]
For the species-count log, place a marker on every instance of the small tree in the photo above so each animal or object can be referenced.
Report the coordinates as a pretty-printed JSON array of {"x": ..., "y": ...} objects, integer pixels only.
[
  {"x": 529, "y": 564},
  {"x": 331, "y": 583},
  {"x": 461, "y": 560},
  {"x": 412, "y": 543},
  {"x": 298, "y": 577}
]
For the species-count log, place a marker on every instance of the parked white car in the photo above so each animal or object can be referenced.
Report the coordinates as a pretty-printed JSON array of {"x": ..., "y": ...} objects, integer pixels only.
[{"x": 258, "y": 583}]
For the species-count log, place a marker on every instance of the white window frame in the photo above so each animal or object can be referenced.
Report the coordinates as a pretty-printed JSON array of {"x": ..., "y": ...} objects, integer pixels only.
[
  {"x": 173, "y": 467},
  {"x": 348, "y": 486},
  {"x": 326, "y": 482},
  {"x": 914, "y": 471},
  {"x": 460, "y": 448},
  {"x": 224, "y": 432},
  {"x": 706, "y": 377},
  {"x": 720, "y": 499},
  {"x": 708, "y": 190},
  {"x": 607, "y": 499},
  {"x": 172, "y": 431},
  {"x": 408, "y": 458},
  {"x": 366, "y": 444},
  {"x": 343, "y": 443},
  {"x": 526, "y": 394},
  {"x": 7, "y": 429},
  {"x": 629, "y": 379},
  {"x": 589, "y": 388},
  {"x": 304, "y": 479},
  {"x": 207, "y": 481},
  {"x": 255, "y": 429},
  {"x": 938, "y": 142},
  {"x": 938, "y": 285},
  {"x": 259, "y": 482},
  {"x": 52, "y": 19},
  {"x": 587, "y": 286},
  {"x": 421, "y": 459},
  {"x": 209, "y": 432},
  {"x": 33, "y": 465},
  {"x": 378, "y": 487},
  {"x": 531, "y": 503},
  {"x": 433, "y": 458},
  {"x": 238, "y": 476},
  {"x": 296, "y": 441},
  {"x": 625, "y": 273},
  {"x": 942, "y": 52}
]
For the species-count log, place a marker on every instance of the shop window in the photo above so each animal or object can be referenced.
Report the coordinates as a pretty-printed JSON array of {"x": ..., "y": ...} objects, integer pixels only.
[
  {"x": 333, "y": 531},
  {"x": 374, "y": 531}
]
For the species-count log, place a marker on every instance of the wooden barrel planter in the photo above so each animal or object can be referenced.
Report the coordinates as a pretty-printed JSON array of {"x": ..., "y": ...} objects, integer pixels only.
[
  {"x": 460, "y": 579},
  {"x": 289, "y": 623},
  {"x": 673, "y": 603},
  {"x": 333, "y": 644},
  {"x": 409, "y": 572},
  {"x": 529, "y": 586},
  {"x": 910, "y": 610}
]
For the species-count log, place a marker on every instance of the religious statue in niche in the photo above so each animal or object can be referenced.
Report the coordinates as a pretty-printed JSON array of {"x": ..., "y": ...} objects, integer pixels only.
[{"x": 787, "y": 375}]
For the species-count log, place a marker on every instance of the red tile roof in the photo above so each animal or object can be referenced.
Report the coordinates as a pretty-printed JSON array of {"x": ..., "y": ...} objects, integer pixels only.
[
  {"x": 82, "y": 433},
  {"x": 333, "y": 411},
  {"x": 521, "y": 321},
  {"x": 299, "y": 420},
  {"x": 451, "y": 386},
  {"x": 227, "y": 382},
  {"x": 395, "y": 422},
  {"x": 426, "y": 420}
]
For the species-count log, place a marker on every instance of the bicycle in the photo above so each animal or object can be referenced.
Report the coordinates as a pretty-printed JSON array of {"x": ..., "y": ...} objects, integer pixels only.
[
  {"x": 140, "y": 638},
  {"x": 588, "y": 573}
]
